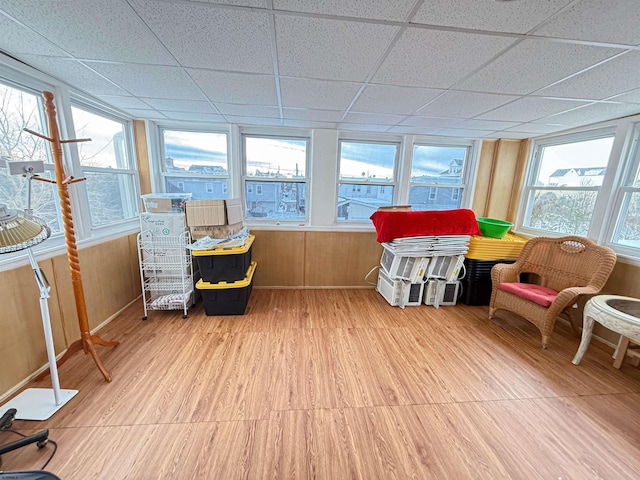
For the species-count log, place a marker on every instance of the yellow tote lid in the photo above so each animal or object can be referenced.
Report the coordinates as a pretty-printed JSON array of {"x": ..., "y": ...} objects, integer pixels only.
[
  {"x": 245, "y": 282},
  {"x": 225, "y": 251}
]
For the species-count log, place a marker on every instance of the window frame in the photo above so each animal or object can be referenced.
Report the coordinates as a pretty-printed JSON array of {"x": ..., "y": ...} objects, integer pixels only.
[
  {"x": 155, "y": 132},
  {"x": 467, "y": 177},
  {"x": 23, "y": 77},
  {"x": 603, "y": 192},
  {"x": 133, "y": 201},
  {"x": 248, "y": 181},
  {"x": 628, "y": 172},
  {"x": 356, "y": 186}
]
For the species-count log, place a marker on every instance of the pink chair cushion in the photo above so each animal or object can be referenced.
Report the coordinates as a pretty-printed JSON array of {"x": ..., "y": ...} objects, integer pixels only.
[{"x": 536, "y": 293}]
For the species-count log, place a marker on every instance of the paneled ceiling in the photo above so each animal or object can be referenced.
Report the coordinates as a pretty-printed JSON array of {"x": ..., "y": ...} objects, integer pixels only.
[{"x": 462, "y": 68}]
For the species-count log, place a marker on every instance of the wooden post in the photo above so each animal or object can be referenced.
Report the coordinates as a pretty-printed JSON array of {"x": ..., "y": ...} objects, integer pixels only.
[{"x": 87, "y": 341}]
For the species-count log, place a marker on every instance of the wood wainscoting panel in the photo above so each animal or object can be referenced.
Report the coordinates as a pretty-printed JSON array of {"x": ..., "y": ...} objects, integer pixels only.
[
  {"x": 108, "y": 282},
  {"x": 280, "y": 257},
  {"x": 335, "y": 259},
  {"x": 22, "y": 345}
]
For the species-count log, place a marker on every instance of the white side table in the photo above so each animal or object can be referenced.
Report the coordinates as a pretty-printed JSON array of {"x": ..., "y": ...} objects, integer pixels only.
[{"x": 617, "y": 313}]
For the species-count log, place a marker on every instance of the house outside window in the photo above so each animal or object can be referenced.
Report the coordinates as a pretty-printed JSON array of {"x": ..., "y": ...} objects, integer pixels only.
[
  {"x": 438, "y": 176},
  {"x": 365, "y": 164},
  {"x": 275, "y": 177},
  {"x": 195, "y": 162}
]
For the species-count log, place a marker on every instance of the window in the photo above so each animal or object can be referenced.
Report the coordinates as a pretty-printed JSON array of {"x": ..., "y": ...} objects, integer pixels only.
[
  {"x": 106, "y": 163},
  {"x": 438, "y": 176},
  {"x": 22, "y": 108},
  {"x": 368, "y": 164},
  {"x": 626, "y": 231},
  {"x": 275, "y": 176},
  {"x": 563, "y": 183},
  {"x": 195, "y": 162}
]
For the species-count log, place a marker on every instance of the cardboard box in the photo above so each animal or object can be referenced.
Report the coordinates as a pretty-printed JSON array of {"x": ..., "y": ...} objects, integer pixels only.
[
  {"x": 215, "y": 231},
  {"x": 206, "y": 213},
  {"x": 235, "y": 213},
  {"x": 163, "y": 224},
  {"x": 165, "y": 202}
]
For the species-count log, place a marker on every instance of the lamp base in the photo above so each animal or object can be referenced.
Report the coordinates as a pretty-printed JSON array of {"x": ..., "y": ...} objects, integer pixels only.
[{"x": 38, "y": 403}]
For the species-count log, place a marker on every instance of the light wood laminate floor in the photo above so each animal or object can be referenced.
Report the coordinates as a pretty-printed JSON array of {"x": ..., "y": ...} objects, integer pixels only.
[{"x": 337, "y": 384}]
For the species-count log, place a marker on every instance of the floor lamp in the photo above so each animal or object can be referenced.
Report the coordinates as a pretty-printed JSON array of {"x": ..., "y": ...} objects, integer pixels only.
[{"x": 21, "y": 231}]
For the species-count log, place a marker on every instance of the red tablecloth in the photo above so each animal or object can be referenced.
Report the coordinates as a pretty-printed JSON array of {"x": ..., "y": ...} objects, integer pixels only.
[{"x": 419, "y": 223}]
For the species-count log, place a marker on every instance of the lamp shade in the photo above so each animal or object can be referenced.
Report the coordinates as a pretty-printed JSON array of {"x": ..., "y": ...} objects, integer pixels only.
[{"x": 19, "y": 230}]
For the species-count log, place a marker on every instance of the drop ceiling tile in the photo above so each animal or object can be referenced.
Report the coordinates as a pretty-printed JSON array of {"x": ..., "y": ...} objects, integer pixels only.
[
  {"x": 422, "y": 121},
  {"x": 125, "y": 102},
  {"x": 180, "y": 105},
  {"x": 396, "y": 10},
  {"x": 465, "y": 133},
  {"x": 308, "y": 124},
  {"x": 145, "y": 114},
  {"x": 614, "y": 76},
  {"x": 614, "y": 21},
  {"x": 200, "y": 35},
  {"x": 485, "y": 124},
  {"x": 329, "y": 49},
  {"x": 240, "y": 3},
  {"x": 596, "y": 112},
  {"x": 331, "y": 116},
  {"x": 534, "y": 64},
  {"x": 362, "y": 127},
  {"x": 230, "y": 87},
  {"x": 74, "y": 73},
  {"x": 514, "y": 17},
  {"x": 153, "y": 81},
  {"x": 377, "y": 118},
  {"x": 317, "y": 94},
  {"x": 248, "y": 110},
  {"x": 530, "y": 108},
  {"x": 242, "y": 120},
  {"x": 513, "y": 135},
  {"x": 414, "y": 130},
  {"x": 454, "y": 103},
  {"x": 19, "y": 39},
  {"x": 194, "y": 116},
  {"x": 437, "y": 59},
  {"x": 392, "y": 99},
  {"x": 536, "y": 128},
  {"x": 92, "y": 30},
  {"x": 632, "y": 96}
]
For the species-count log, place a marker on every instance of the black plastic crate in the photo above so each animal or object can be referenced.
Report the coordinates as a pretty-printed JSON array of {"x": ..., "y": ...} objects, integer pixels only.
[
  {"x": 227, "y": 298},
  {"x": 476, "y": 292},
  {"x": 480, "y": 269},
  {"x": 224, "y": 264}
]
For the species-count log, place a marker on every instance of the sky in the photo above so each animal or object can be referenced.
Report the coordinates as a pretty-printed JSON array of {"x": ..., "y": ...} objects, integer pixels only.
[{"x": 584, "y": 154}]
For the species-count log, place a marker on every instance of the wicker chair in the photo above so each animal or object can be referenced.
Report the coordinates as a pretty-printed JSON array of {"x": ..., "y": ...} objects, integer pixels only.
[{"x": 561, "y": 267}]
